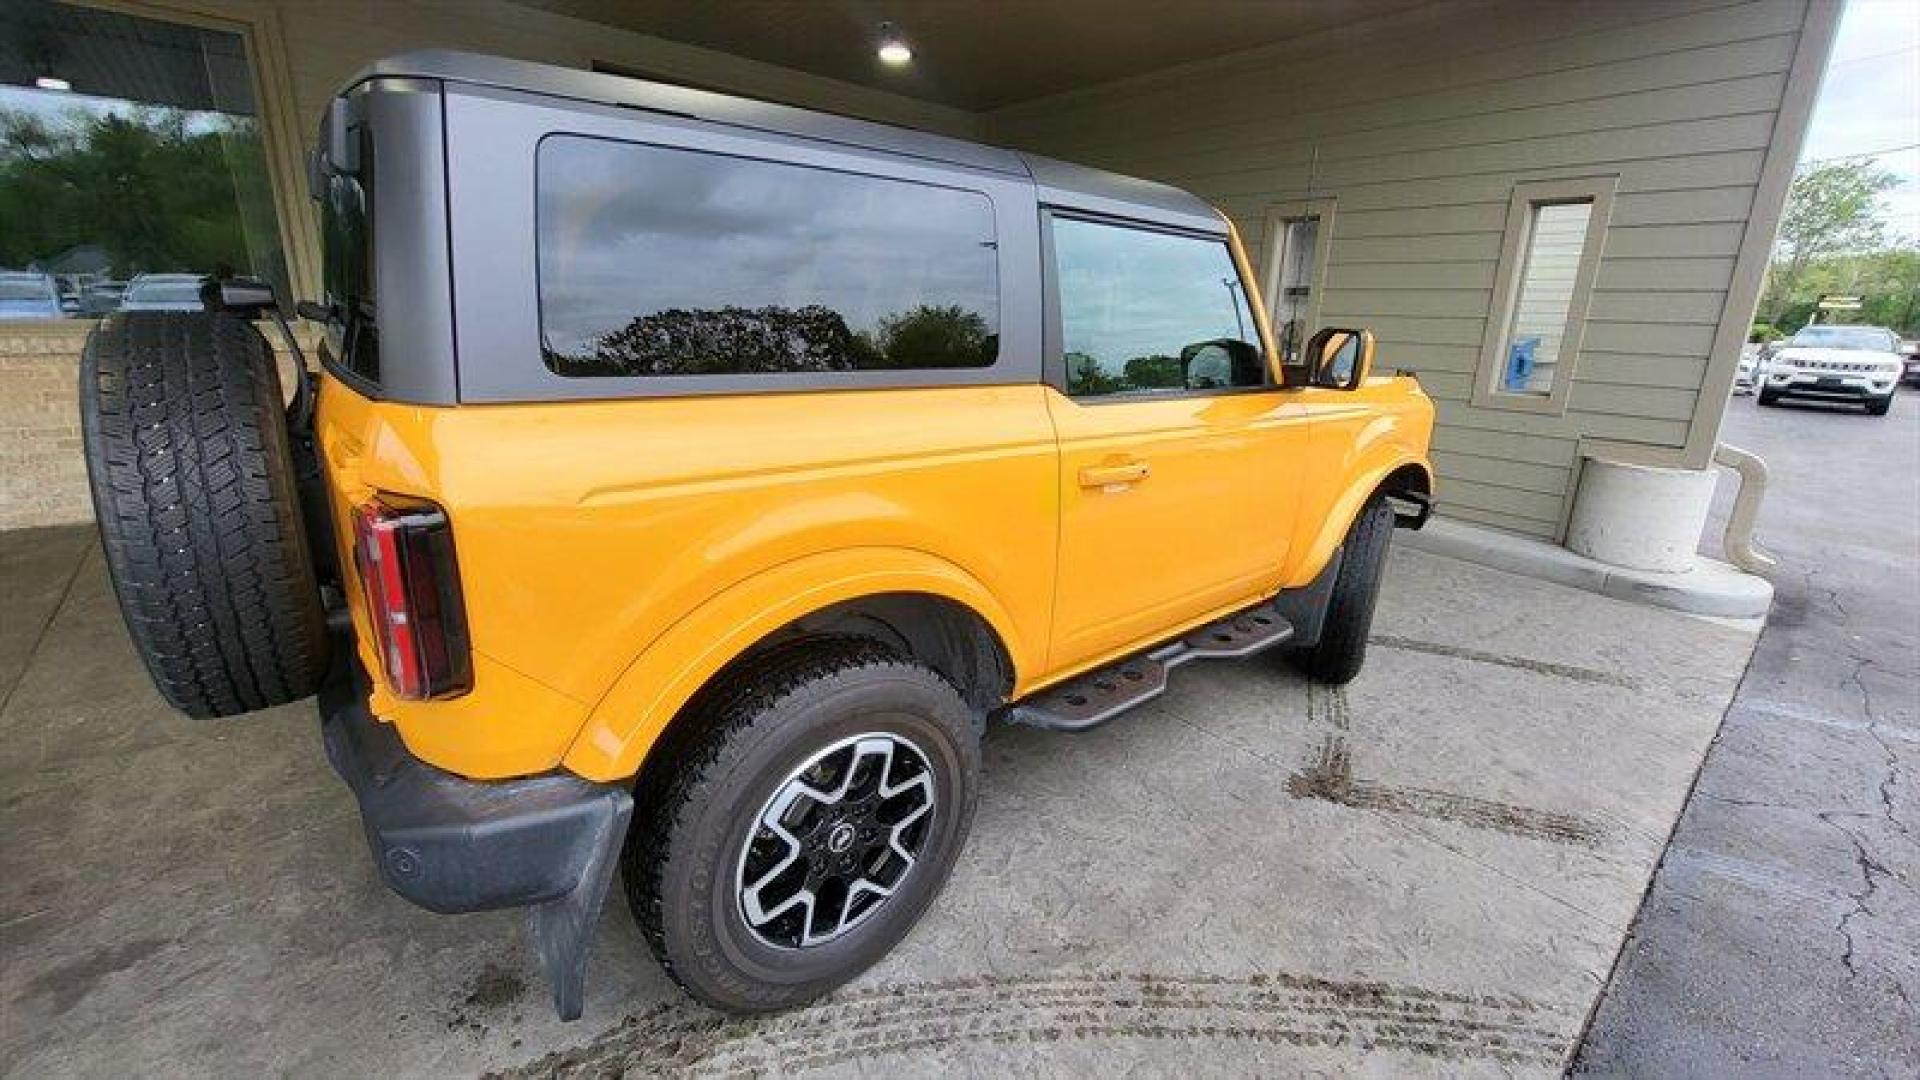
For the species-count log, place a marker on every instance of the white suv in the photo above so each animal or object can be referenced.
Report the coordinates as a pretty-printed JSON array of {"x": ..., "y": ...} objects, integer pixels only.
[{"x": 1835, "y": 363}]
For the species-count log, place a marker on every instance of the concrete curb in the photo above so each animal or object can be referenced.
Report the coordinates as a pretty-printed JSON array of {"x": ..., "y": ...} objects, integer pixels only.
[{"x": 1710, "y": 588}]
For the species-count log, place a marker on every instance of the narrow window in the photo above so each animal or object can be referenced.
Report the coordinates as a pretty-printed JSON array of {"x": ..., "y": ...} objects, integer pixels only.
[
  {"x": 1144, "y": 311},
  {"x": 1554, "y": 236},
  {"x": 657, "y": 261},
  {"x": 1297, "y": 239}
]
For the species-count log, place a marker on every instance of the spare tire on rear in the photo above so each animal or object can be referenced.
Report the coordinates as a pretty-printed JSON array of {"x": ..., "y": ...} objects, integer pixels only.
[{"x": 193, "y": 489}]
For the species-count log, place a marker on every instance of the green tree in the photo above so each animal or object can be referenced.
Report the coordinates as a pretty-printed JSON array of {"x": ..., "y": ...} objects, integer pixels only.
[
  {"x": 1831, "y": 209},
  {"x": 158, "y": 189},
  {"x": 937, "y": 336}
]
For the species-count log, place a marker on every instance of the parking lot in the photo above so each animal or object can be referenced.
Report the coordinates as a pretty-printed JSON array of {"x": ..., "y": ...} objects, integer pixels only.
[{"x": 1430, "y": 871}]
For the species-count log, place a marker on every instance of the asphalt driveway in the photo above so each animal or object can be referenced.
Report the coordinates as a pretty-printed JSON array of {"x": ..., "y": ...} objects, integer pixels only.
[{"x": 1429, "y": 871}]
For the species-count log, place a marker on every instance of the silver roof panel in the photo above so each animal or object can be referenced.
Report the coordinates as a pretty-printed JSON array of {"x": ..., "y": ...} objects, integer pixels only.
[{"x": 1059, "y": 183}]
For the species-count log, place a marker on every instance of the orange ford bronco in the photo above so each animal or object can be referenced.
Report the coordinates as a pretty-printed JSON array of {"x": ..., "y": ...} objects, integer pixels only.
[{"x": 688, "y": 481}]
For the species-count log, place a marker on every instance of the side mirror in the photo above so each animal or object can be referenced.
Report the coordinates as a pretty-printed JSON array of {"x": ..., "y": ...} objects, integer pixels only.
[
  {"x": 1215, "y": 365},
  {"x": 1339, "y": 358}
]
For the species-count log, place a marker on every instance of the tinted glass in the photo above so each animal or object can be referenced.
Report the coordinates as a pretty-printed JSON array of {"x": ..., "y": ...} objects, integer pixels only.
[
  {"x": 346, "y": 225},
  {"x": 658, "y": 261},
  {"x": 1146, "y": 311}
]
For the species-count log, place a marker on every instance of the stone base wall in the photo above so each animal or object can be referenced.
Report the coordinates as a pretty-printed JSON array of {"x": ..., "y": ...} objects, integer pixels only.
[{"x": 43, "y": 480}]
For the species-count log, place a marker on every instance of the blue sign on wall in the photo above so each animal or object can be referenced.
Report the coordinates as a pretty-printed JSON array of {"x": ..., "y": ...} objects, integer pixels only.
[{"x": 1520, "y": 363}]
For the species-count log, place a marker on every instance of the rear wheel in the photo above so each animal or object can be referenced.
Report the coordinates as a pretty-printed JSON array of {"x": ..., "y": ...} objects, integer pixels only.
[
  {"x": 1342, "y": 648},
  {"x": 193, "y": 490},
  {"x": 802, "y": 825}
]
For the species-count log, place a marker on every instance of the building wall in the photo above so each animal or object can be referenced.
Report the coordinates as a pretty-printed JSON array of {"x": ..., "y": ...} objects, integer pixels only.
[
  {"x": 1419, "y": 125},
  {"x": 43, "y": 480},
  {"x": 1416, "y": 126}
]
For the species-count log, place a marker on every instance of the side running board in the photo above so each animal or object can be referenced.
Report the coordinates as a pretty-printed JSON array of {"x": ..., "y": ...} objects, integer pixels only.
[{"x": 1089, "y": 700}]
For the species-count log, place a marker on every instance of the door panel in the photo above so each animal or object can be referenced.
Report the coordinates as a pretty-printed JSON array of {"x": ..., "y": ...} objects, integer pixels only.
[
  {"x": 1169, "y": 509},
  {"x": 1179, "y": 458}
]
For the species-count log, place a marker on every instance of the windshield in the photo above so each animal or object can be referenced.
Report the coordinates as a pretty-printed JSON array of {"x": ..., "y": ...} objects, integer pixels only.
[
  {"x": 25, "y": 288},
  {"x": 1866, "y": 338},
  {"x": 166, "y": 292}
]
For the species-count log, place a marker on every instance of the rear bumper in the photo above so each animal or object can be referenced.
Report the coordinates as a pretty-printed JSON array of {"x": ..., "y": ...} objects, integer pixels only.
[{"x": 448, "y": 844}]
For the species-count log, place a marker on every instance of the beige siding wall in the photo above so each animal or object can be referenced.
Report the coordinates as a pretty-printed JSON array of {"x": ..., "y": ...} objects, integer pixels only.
[{"x": 1418, "y": 126}]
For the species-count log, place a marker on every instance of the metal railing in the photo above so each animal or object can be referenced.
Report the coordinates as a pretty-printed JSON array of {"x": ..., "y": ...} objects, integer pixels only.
[{"x": 1738, "y": 540}]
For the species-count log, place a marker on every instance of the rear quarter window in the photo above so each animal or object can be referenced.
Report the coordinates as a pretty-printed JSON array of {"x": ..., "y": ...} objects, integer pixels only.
[{"x": 656, "y": 261}]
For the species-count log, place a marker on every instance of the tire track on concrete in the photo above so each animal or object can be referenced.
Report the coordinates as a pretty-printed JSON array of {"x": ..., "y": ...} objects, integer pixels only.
[
  {"x": 1570, "y": 672},
  {"x": 1278, "y": 1009},
  {"x": 1329, "y": 776}
]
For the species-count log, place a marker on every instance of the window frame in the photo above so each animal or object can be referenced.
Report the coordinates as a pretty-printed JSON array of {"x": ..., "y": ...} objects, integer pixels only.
[
  {"x": 1272, "y": 244},
  {"x": 1598, "y": 192},
  {"x": 1053, "y": 334},
  {"x": 492, "y": 229}
]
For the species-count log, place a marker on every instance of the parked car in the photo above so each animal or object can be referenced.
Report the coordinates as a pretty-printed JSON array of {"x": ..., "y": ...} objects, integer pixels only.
[
  {"x": 1910, "y": 360},
  {"x": 1746, "y": 370},
  {"x": 163, "y": 292},
  {"x": 98, "y": 298},
  {"x": 701, "y": 521},
  {"x": 28, "y": 294},
  {"x": 1827, "y": 362}
]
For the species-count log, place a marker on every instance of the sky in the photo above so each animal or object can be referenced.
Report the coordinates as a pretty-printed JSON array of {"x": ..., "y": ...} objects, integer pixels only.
[{"x": 1869, "y": 102}]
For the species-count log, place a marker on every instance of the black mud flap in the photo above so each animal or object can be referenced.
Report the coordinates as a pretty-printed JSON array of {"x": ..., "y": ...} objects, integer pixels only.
[{"x": 546, "y": 843}]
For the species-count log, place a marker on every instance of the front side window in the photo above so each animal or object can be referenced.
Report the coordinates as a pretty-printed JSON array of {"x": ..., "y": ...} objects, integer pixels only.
[
  {"x": 1143, "y": 311},
  {"x": 657, "y": 261}
]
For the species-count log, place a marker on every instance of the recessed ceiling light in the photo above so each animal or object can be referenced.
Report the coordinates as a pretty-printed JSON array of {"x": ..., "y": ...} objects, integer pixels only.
[
  {"x": 894, "y": 50},
  {"x": 48, "y": 82}
]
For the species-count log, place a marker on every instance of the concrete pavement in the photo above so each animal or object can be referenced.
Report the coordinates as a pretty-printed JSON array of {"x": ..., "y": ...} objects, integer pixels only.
[
  {"x": 1428, "y": 872},
  {"x": 1782, "y": 937}
]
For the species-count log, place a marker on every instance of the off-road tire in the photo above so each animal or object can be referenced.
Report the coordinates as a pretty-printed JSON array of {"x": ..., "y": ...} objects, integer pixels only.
[
  {"x": 186, "y": 447},
  {"x": 1879, "y": 406},
  {"x": 697, "y": 800},
  {"x": 1342, "y": 648}
]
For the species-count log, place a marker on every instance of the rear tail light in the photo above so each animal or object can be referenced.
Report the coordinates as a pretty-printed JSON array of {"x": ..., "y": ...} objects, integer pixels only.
[{"x": 404, "y": 554}]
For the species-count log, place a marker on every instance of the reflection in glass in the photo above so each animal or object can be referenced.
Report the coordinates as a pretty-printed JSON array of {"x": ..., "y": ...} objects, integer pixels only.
[
  {"x": 1143, "y": 310},
  {"x": 151, "y": 164},
  {"x": 657, "y": 261},
  {"x": 1298, "y": 239},
  {"x": 1555, "y": 238}
]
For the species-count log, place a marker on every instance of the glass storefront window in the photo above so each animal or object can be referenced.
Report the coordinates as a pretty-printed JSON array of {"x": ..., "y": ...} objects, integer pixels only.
[{"x": 130, "y": 153}]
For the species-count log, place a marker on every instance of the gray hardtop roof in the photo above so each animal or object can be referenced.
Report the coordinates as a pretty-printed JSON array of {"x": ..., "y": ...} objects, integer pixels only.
[{"x": 1059, "y": 182}]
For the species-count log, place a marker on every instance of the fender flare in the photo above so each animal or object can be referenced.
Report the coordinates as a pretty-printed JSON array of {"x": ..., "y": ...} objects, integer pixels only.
[
  {"x": 669, "y": 670},
  {"x": 1361, "y": 486}
]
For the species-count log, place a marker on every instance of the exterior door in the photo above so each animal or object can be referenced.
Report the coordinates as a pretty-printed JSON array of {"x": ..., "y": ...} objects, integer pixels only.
[{"x": 1179, "y": 457}]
